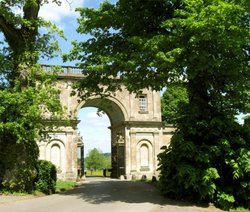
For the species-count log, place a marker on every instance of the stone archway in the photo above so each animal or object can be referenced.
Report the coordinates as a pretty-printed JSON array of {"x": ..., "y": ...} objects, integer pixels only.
[
  {"x": 117, "y": 116},
  {"x": 137, "y": 132}
]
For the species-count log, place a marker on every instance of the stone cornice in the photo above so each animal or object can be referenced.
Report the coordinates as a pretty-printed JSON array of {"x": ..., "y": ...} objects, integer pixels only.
[
  {"x": 146, "y": 124},
  {"x": 143, "y": 123},
  {"x": 64, "y": 123}
]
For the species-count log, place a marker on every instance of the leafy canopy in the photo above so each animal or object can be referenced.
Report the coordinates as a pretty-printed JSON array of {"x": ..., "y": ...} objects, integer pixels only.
[
  {"x": 168, "y": 41},
  {"x": 205, "y": 44},
  {"x": 95, "y": 160},
  {"x": 171, "y": 101}
]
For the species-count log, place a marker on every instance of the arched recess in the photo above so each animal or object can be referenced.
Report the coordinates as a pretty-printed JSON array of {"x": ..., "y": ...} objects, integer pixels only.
[
  {"x": 115, "y": 110},
  {"x": 55, "y": 152},
  {"x": 144, "y": 156},
  {"x": 55, "y": 155},
  {"x": 117, "y": 115}
]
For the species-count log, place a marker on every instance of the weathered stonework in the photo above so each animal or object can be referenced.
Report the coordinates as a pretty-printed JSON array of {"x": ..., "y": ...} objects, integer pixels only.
[{"x": 137, "y": 132}]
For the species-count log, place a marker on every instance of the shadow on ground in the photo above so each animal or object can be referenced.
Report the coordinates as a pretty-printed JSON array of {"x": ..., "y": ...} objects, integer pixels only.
[{"x": 103, "y": 190}]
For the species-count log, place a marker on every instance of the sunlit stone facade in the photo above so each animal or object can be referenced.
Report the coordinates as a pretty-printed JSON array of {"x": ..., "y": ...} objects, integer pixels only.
[{"x": 137, "y": 132}]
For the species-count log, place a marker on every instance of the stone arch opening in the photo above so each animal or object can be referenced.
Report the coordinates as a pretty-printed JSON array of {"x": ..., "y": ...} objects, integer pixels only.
[
  {"x": 116, "y": 114},
  {"x": 94, "y": 130},
  {"x": 115, "y": 110}
]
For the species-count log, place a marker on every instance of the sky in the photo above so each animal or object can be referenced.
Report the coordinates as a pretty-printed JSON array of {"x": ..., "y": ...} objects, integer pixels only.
[
  {"x": 93, "y": 129},
  {"x": 65, "y": 18}
]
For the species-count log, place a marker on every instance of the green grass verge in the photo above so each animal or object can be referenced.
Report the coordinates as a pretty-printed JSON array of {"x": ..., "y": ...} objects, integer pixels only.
[
  {"x": 240, "y": 209},
  {"x": 60, "y": 186},
  {"x": 7, "y": 192},
  {"x": 64, "y": 185}
]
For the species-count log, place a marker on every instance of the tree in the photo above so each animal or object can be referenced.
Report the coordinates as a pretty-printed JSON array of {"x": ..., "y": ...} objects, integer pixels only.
[
  {"x": 107, "y": 160},
  {"x": 95, "y": 160},
  {"x": 172, "y": 99},
  {"x": 21, "y": 124},
  {"x": 24, "y": 90},
  {"x": 206, "y": 45},
  {"x": 24, "y": 42},
  {"x": 134, "y": 52}
]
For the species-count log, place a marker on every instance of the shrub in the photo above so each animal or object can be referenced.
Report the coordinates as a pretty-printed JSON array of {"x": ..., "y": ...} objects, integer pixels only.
[
  {"x": 211, "y": 168},
  {"x": 17, "y": 168},
  {"x": 46, "y": 177}
]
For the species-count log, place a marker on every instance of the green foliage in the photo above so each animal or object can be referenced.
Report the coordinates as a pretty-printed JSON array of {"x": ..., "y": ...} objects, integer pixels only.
[
  {"x": 64, "y": 185},
  {"x": 171, "y": 101},
  {"x": 225, "y": 200},
  {"x": 19, "y": 177},
  {"x": 211, "y": 168},
  {"x": 23, "y": 43},
  {"x": 247, "y": 120},
  {"x": 96, "y": 160},
  {"x": 141, "y": 64},
  {"x": 210, "y": 149},
  {"x": 21, "y": 123},
  {"x": 46, "y": 177},
  {"x": 240, "y": 209},
  {"x": 26, "y": 93},
  {"x": 107, "y": 161},
  {"x": 202, "y": 43}
]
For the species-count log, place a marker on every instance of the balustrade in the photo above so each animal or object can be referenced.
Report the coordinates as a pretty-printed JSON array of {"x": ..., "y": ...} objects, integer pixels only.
[{"x": 63, "y": 69}]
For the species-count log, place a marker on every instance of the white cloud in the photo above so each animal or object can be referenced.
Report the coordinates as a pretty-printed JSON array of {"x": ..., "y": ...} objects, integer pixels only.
[
  {"x": 93, "y": 120},
  {"x": 92, "y": 115},
  {"x": 56, "y": 13}
]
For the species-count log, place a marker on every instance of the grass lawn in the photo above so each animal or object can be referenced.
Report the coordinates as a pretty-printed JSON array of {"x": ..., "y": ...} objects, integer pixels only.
[
  {"x": 97, "y": 173},
  {"x": 64, "y": 185},
  {"x": 6, "y": 192}
]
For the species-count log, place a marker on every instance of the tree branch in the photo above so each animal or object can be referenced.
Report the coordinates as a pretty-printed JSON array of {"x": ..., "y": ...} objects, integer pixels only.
[
  {"x": 31, "y": 9},
  {"x": 11, "y": 33}
]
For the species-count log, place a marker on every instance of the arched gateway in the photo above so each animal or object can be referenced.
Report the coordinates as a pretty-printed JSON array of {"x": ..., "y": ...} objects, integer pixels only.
[{"x": 137, "y": 132}]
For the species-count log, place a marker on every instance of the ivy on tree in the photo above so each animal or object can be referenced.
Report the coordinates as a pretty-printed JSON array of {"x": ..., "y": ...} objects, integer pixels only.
[{"x": 153, "y": 44}]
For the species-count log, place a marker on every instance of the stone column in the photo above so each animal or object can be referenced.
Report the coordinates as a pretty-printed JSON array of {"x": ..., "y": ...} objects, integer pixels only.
[
  {"x": 156, "y": 151},
  {"x": 133, "y": 152},
  {"x": 127, "y": 152},
  {"x": 71, "y": 157}
]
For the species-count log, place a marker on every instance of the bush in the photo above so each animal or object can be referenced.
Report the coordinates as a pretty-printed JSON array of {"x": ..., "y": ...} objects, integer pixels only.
[
  {"x": 46, "y": 177},
  {"x": 17, "y": 166},
  {"x": 211, "y": 168}
]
